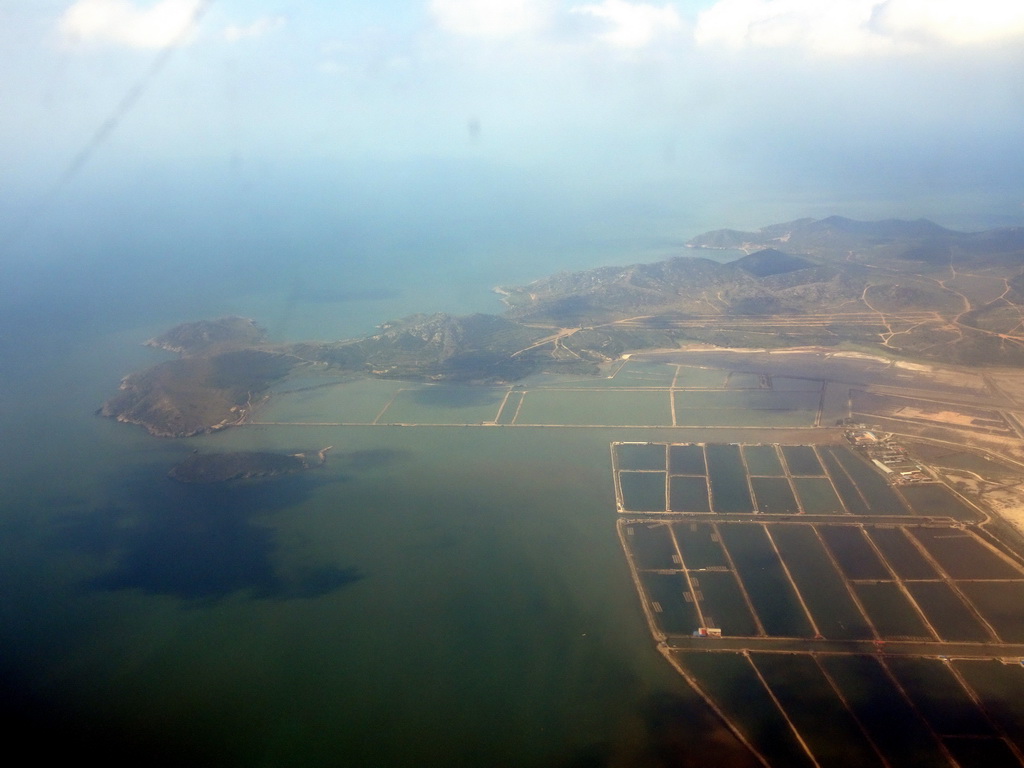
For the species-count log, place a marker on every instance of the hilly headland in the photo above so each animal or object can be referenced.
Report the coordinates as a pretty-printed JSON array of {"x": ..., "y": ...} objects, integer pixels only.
[{"x": 904, "y": 289}]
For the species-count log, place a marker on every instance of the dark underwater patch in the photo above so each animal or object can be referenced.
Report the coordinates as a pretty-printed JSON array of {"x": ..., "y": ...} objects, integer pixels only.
[{"x": 197, "y": 543}]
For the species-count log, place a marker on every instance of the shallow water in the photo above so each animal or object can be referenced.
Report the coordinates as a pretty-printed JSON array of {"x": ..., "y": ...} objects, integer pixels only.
[
  {"x": 432, "y": 596},
  {"x": 437, "y": 596}
]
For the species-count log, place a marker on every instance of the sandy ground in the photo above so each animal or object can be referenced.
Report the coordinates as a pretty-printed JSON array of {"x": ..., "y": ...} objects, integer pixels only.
[
  {"x": 1006, "y": 500},
  {"x": 942, "y": 417}
]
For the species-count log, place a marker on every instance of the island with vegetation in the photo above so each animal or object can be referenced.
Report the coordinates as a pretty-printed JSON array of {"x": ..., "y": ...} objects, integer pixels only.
[{"x": 905, "y": 289}]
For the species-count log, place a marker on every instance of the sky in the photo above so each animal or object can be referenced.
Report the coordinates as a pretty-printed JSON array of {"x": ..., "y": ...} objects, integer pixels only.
[{"x": 876, "y": 96}]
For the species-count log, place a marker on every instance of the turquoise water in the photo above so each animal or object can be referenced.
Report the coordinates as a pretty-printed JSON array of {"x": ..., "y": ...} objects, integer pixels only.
[{"x": 434, "y": 596}]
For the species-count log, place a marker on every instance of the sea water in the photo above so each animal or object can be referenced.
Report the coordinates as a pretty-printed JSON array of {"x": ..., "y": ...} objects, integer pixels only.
[{"x": 432, "y": 596}]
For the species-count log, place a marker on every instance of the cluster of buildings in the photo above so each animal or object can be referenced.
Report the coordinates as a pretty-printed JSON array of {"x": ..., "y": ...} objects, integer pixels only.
[{"x": 889, "y": 456}]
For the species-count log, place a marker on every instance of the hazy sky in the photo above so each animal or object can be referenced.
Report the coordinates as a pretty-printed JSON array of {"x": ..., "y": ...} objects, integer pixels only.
[{"x": 793, "y": 93}]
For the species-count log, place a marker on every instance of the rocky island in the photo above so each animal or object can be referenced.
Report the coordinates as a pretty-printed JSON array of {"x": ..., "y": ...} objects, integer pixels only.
[{"x": 904, "y": 289}]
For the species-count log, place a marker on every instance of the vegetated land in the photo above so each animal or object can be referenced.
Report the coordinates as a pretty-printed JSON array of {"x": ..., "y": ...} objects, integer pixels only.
[{"x": 909, "y": 289}]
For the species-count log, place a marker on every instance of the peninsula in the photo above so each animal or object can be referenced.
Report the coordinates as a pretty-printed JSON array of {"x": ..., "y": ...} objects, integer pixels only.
[{"x": 903, "y": 289}]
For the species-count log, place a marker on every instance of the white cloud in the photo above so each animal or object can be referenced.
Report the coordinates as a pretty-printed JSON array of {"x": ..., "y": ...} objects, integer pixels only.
[
  {"x": 835, "y": 26},
  {"x": 490, "y": 18},
  {"x": 123, "y": 22},
  {"x": 951, "y": 21},
  {"x": 632, "y": 25},
  {"x": 842, "y": 27},
  {"x": 235, "y": 32}
]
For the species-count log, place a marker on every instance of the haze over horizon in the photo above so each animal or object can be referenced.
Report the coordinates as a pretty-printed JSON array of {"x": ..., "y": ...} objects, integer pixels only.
[
  {"x": 767, "y": 94},
  {"x": 508, "y": 138}
]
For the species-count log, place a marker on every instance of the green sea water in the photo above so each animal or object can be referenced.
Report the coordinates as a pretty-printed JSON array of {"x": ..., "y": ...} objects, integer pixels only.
[{"x": 432, "y": 596}]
